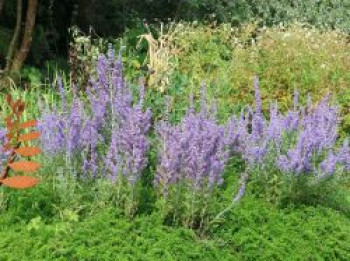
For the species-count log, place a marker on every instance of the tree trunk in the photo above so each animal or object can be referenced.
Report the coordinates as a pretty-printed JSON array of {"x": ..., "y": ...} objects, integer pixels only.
[
  {"x": 14, "y": 40},
  {"x": 27, "y": 37},
  {"x": 1, "y": 5}
]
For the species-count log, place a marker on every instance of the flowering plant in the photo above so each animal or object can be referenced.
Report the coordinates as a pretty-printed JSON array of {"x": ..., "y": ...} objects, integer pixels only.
[
  {"x": 300, "y": 143},
  {"x": 192, "y": 157}
]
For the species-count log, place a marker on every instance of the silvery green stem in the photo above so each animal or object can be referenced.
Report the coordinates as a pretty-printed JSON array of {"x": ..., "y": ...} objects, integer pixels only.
[{"x": 238, "y": 196}]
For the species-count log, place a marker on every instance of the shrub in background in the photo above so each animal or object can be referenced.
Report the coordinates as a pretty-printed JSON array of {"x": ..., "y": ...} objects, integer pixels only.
[
  {"x": 331, "y": 14},
  {"x": 285, "y": 57},
  {"x": 182, "y": 54}
]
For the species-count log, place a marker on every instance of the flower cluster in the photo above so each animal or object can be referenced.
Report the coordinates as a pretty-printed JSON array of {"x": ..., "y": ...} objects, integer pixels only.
[
  {"x": 315, "y": 130},
  {"x": 62, "y": 128},
  {"x": 129, "y": 145},
  {"x": 195, "y": 151},
  {"x": 111, "y": 117}
]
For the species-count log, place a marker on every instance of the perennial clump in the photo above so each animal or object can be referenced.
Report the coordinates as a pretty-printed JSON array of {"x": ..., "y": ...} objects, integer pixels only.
[
  {"x": 192, "y": 156},
  {"x": 109, "y": 140},
  {"x": 105, "y": 140},
  {"x": 301, "y": 142},
  {"x": 195, "y": 150}
]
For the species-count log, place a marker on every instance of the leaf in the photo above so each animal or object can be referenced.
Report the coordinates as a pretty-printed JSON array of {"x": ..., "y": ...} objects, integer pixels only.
[
  {"x": 20, "y": 108},
  {"x": 28, "y": 124},
  {"x": 9, "y": 99},
  {"x": 9, "y": 118},
  {"x": 15, "y": 105},
  {"x": 28, "y": 151},
  {"x": 34, "y": 223},
  {"x": 7, "y": 146},
  {"x": 29, "y": 136},
  {"x": 20, "y": 182},
  {"x": 10, "y": 125},
  {"x": 25, "y": 166},
  {"x": 9, "y": 136}
]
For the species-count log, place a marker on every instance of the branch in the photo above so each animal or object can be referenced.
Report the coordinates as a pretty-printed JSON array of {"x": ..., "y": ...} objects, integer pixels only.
[
  {"x": 15, "y": 36},
  {"x": 237, "y": 198},
  {"x": 1, "y": 6},
  {"x": 27, "y": 37}
]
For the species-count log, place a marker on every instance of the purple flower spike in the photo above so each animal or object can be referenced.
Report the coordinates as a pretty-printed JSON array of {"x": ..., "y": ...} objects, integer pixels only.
[
  {"x": 195, "y": 150},
  {"x": 258, "y": 107}
]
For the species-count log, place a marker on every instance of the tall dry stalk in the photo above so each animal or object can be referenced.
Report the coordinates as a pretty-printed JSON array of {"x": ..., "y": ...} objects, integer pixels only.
[{"x": 161, "y": 56}]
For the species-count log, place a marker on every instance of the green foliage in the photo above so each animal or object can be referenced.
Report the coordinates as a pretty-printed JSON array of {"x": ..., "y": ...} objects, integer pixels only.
[
  {"x": 112, "y": 17},
  {"x": 323, "y": 14},
  {"x": 284, "y": 57},
  {"x": 105, "y": 237},
  {"x": 278, "y": 219},
  {"x": 284, "y": 190},
  {"x": 258, "y": 231},
  {"x": 31, "y": 76},
  {"x": 226, "y": 58},
  {"x": 252, "y": 231}
]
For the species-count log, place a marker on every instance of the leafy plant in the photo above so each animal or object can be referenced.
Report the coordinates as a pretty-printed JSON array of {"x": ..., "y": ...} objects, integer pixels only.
[
  {"x": 31, "y": 75},
  {"x": 332, "y": 14},
  {"x": 285, "y": 57},
  {"x": 192, "y": 158},
  {"x": 13, "y": 145},
  {"x": 296, "y": 151}
]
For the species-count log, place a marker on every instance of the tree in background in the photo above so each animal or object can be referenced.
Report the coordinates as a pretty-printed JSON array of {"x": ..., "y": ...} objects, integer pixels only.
[
  {"x": 1, "y": 5},
  {"x": 17, "y": 53},
  {"x": 22, "y": 52},
  {"x": 48, "y": 43}
]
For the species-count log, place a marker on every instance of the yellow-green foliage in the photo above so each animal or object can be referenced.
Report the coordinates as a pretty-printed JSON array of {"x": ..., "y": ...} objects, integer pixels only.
[
  {"x": 285, "y": 57},
  {"x": 295, "y": 57},
  {"x": 160, "y": 56}
]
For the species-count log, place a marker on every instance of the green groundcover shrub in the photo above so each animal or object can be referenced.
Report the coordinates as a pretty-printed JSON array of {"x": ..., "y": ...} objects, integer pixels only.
[{"x": 254, "y": 231}]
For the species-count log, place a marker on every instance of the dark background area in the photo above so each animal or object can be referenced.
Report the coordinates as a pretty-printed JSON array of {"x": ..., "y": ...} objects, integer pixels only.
[{"x": 110, "y": 18}]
